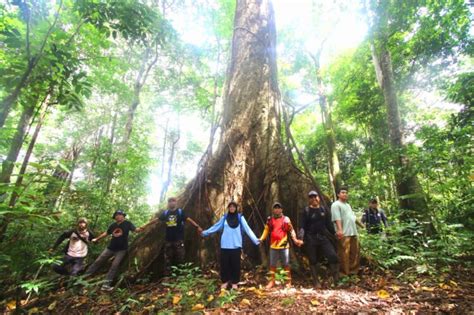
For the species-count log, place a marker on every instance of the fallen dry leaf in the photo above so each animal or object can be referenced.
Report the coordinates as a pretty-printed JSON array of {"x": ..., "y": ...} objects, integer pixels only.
[
  {"x": 210, "y": 298},
  {"x": 444, "y": 286},
  {"x": 11, "y": 305},
  {"x": 383, "y": 294},
  {"x": 314, "y": 302},
  {"x": 52, "y": 306},
  {"x": 198, "y": 307},
  {"x": 245, "y": 302},
  {"x": 223, "y": 291},
  {"x": 176, "y": 299}
]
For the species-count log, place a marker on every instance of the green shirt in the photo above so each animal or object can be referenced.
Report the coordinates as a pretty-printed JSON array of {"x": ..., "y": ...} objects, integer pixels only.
[{"x": 343, "y": 211}]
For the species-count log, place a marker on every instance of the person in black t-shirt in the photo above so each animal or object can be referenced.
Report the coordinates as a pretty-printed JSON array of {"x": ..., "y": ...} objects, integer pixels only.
[
  {"x": 174, "y": 219},
  {"x": 318, "y": 233},
  {"x": 118, "y": 246}
]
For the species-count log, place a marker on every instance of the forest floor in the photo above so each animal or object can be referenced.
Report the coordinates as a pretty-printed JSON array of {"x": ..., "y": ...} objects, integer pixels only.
[{"x": 369, "y": 292}]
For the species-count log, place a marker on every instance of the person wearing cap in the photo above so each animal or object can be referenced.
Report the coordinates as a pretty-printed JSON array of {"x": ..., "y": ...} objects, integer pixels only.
[
  {"x": 345, "y": 223},
  {"x": 117, "y": 248},
  {"x": 317, "y": 231},
  {"x": 174, "y": 218},
  {"x": 278, "y": 226},
  {"x": 373, "y": 218},
  {"x": 76, "y": 249},
  {"x": 233, "y": 225}
]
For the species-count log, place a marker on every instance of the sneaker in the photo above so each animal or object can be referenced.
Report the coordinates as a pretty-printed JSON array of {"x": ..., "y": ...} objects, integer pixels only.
[{"x": 107, "y": 288}]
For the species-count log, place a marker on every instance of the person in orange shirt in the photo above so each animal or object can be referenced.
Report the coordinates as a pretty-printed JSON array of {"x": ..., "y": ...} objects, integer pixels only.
[{"x": 278, "y": 226}]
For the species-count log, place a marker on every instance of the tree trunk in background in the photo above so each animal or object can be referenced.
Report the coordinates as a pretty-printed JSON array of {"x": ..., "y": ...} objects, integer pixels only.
[
  {"x": 26, "y": 159},
  {"x": 61, "y": 176},
  {"x": 150, "y": 58},
  {"x": 333, "y": 159},
  {"x": 410, "y": 193},
  {"x": 15, "y": 146},
  {"x": 167, "y": 182},
  {"x": 251, "y": 164}
]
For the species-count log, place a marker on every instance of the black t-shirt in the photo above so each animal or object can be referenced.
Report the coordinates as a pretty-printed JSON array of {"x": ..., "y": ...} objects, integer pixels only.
[
  {"x": 316, "y": 221},
  {"x": 119, "y": 234},
  {"x": 174, "y": 220}
]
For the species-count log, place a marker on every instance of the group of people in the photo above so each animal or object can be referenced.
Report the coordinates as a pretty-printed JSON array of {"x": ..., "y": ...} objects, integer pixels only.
[{"x": 330, "y": 234}]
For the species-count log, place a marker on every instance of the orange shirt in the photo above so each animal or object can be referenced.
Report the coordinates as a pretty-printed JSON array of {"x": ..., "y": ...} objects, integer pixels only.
[{"x": 280, "y": 227}]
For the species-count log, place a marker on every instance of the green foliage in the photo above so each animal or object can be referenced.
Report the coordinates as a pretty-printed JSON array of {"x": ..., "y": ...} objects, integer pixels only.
[
  {"x": 405, "y": 246},
  {"x": 188, "y": 283}
]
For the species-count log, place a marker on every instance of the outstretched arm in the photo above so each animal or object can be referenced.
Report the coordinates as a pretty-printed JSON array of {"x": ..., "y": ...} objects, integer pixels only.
[
  {"x": 98, "y": 238},
  {"x": 199, "y": 229},
  {"x": 293, "y": 235},
  {"x": 249, "y": 231},
  {"x": 60, "y": 239},
  {"x": 213, "y": 229},
  {"x": 264, "y": 233},
  {"x": 141, "y": 228}
]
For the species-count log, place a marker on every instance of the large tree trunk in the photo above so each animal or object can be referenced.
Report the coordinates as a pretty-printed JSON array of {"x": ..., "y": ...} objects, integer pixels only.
[{"x": 250, "y": 165}]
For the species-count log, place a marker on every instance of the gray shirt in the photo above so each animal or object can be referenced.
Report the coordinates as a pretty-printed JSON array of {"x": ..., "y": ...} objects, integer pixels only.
[{"x": 343, "y": 211}]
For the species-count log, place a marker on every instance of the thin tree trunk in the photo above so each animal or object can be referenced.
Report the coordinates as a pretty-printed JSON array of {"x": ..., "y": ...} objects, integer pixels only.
[
  {"x": 16, "y": 144},
  {"x": 410, "y": 193},
  {"x": 333, "y": 159},
  {"x": 10, "y": 99},
  {"x": 166, "y": 184},
  {"x": 26, "y": 159},
  {"x": 140, "y": 81}
]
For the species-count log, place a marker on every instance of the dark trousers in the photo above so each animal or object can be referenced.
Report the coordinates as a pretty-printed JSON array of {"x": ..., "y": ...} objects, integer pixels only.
[
  {"x": 103, "y": 258},
  {"x": 174, "y": 254},
  {"x": 318, "y": 246},
  {"x": 230, "y": 265},
  {"x": 70, "y": 266}
]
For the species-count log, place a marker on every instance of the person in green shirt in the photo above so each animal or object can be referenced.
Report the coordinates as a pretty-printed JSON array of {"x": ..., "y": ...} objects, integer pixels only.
[{"x": 345, "y": 223}]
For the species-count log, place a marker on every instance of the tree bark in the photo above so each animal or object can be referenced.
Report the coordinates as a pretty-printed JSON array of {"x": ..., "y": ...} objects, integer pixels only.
[
  {"x": 333, "y": 159},
  {"x": 251, "y": 164},
  {"x": 26, "y": 159},
  {"x": 16, "y": 144},
  {"x": 167, "y": 182},
  {"x": 410, "y": 193}
]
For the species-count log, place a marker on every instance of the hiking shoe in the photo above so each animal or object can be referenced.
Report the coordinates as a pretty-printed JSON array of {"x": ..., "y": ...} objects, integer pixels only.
[
  {"x": 107, "y": 288},
  {"x": 225, "y": 286}
]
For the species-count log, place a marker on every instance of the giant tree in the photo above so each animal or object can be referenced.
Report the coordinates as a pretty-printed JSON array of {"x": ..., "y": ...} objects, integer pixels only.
[{"x": 250, "y": 165}]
